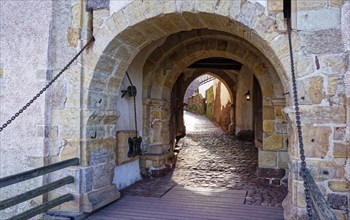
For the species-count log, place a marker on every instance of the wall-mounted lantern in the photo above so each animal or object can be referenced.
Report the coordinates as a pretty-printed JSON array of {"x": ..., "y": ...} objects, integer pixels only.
[{"x": 247, "y": 96}]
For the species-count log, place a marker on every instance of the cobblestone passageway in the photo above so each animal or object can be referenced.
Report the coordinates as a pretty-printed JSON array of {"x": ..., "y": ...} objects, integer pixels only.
[{"x": 211, "y": 158}]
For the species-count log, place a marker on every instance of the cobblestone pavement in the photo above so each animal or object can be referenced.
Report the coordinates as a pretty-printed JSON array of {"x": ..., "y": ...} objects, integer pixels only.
[{"x": 212, "y": 158}]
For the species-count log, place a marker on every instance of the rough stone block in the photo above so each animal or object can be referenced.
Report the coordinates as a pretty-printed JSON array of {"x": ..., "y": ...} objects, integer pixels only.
[
  {"x": 73, "y": 36},
  {"x": 65, "y": 117},
  {"x": 323, "y": 41},
  {"x": 86, "y": 179},
  {"x": 333, "y": 64},
  {"x": 316, "y": 140},
  {"x": 307, "y": 5},
  {"x": 97, "y": 4},
  {"x": 298, "y": 196},
  {"x": 157, "y": 165},
  {"x": 70, "y": 150},
  {"x": 339, "y": 134},
  {"x": 283, "y": 159},
  {"x": 158, "y": 149},
  {"x": 271, "y": 172},
  {"x": 337, "y": 201},
  {"x": 267, "y": 158},
  {"x": 275, "y": 5},
  {"x": 103, "y": 175},
  {"x": 322, "y": 114},
  {"x": 340, "y": 186},
  {"x": 336, "y": 3},
  {"x": 268, "y": 126},
  {"x": 320, "y": 170},
  {"x": 334, "y": 85},
  {"x": 311, "y": 90},
  {"x": 341, "y": 150},
  {"x": 309, "y": 19},
  {"x": 273, "y": 142},
  {"x": 76, "y": 15},
  {"x": 94, "y": 200}
]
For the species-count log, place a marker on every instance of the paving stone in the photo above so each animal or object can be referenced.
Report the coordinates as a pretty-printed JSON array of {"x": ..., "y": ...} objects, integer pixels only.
[{"x": 211, "y": 158}]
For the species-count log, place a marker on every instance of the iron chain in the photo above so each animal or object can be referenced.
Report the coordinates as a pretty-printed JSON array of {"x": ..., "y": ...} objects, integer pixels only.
[
  {"x": 45, "y": 87},
  {"x": 298, "y": 122}
]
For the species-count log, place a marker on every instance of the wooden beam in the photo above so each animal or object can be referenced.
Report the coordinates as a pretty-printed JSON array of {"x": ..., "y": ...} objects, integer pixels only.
[
  {"x": 9, "y": 180},
  {"x": 43, "y": 207},
  {"x": 35, "y": 192}
]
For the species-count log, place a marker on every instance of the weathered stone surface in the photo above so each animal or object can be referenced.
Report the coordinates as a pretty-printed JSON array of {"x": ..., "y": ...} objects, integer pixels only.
[
  {"x": 94, "y": 200},
  {"x": 66, "y": 117},
  {"x": 87, "y": 179},
  {"x": 322, "y": 114},
  {"x": 1, "y": 72},
  {"x": 271, "y": 173},
  {"x": 307, "y": 5},
  {"x": 337, "y": 201},
  {"x": 333, "y": 64},
  {"x": 311, "y": 90},
  {"x": 267, "y": 158},
  {"x": 275, "y": 5},
  {"x": 308, "y": 19},
  {"x": 73, "y": 36},
  {"x": 320, "y": 170},
  {"x": 334, "y": 85},
  {"x": 97, "y": 4},
  {"x": 339, "y": 133},
  {"x": 341, "y": 150},
  {"x": 273, "y": 142},
  {"x": 347, "y": 170},
  {"x": 339, "y": 186},
  {"x": 316, "y": 140},
  {"x": 298, "y": 195},
  {"x": 323, "y": 41},
  {"x": 268, "y": 126},
  {"x": 69, "y": 150},
  {"x": 103, "y": 175},
  {"x": 283, "y": 159},
  {"x": 336, "y": 3}
]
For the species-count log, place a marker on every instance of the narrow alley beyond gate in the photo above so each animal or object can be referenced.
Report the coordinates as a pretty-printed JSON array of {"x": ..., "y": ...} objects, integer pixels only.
[{"x": 215, "y": 162}]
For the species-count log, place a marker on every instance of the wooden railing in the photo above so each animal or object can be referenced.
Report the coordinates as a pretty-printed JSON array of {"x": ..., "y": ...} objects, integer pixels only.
[
  {"x": 6, "y": 181},
  {"x": 320, "y": 207}
]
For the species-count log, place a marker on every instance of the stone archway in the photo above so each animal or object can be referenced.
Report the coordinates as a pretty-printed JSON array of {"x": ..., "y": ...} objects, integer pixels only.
[
  {"x": 178, "y": 93},
  {"x": 127, "y": 32},
  {"x": 162, "y": 75}
]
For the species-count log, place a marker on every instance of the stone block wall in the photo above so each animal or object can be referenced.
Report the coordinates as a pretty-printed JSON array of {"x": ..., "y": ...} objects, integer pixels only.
[
  {"x": 196, "y": 104},
  {"x": 222, "y": 106}
]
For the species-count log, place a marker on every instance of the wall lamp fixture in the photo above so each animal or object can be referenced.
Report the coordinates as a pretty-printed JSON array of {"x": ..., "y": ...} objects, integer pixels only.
[{"x": 247, "y": 96}]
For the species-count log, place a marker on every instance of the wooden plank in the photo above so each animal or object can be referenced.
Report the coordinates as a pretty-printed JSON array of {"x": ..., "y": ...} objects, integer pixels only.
[
  {"x": 43, "y": 207},
  {"x": 202, "y": 193},
  {"x": 35, "y": 192},
  {"x": 189, "y": 203},
  {"x": 135, "y": 207},
  {"x": 9, "y": 180}
]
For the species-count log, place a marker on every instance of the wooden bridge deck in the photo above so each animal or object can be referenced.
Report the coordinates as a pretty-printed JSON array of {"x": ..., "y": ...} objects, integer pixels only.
[{"x": 188, "y": 203}]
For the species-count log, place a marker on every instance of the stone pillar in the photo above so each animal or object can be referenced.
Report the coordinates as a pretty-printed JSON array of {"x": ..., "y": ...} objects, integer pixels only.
[
  {"x": 158, "y": 157},
  {"x": 273, "y": 156}
]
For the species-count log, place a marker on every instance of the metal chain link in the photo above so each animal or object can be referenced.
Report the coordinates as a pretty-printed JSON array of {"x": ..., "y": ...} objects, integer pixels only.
[
  {"x": 303, "y": 169},
  {"x": 46, "y": 87}
]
